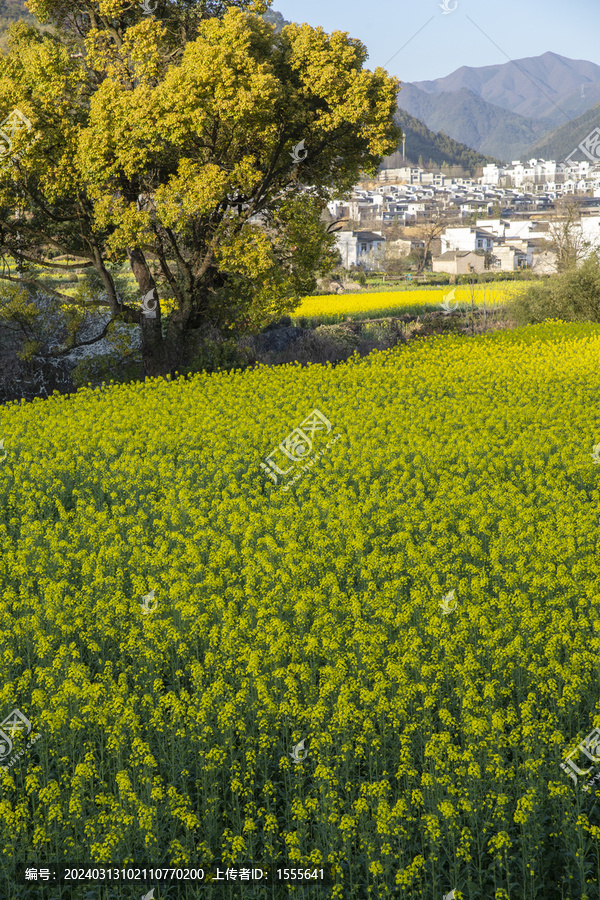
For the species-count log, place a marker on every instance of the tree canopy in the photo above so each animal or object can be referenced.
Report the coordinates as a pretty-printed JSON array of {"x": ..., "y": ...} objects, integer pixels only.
[{"x": 172, "y": 140}]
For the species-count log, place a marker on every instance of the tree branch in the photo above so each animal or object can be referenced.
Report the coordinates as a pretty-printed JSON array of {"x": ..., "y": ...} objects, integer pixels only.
[
  {"x": 59, "y": 353},
  {"x": 42, "y": 288}
]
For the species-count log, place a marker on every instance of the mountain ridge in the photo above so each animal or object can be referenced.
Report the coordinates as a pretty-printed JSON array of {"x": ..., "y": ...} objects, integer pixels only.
[
  {"x": 535, "y": 87},
  {"x": 509, "y": 108}
]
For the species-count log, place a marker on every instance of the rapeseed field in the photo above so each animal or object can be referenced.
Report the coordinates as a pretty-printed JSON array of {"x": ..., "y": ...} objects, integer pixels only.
[
  {"x": 376, "y": 672},
  {"x": 336, "y": 307}
]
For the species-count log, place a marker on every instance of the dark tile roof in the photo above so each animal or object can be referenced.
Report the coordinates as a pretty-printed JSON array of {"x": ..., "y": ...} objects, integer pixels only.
[
  {"x": 368, "y": 236},
  {"x": 454, "y": 254}
]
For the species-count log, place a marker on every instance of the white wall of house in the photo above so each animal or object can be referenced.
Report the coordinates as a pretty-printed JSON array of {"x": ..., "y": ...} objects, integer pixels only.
[
  {"x": 512, "y": 228},
  {"x": 466, "y": 239},
  {"x": 544, "y": 263},
  {"x": 590, "y": 227},
  {"x": 461, "y": 265},
  {"x": 524, "y": 248},
  {"x": 491, "y": 174},
  {"x": 508, "y": 258},
  {"x": 369, "y": 252},
  {"x": 337, "y": 207},
  {"x": 355, "y": 251},
  {"x": 496, "y": 226},
  {"x": 347, "y": 244}
]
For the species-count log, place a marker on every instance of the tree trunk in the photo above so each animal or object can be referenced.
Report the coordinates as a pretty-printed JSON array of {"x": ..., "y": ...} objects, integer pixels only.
[
  {"x": 108, "y": 282},
  {"x": 175, "y": 339},
  {"x": 153, "y": 347}
]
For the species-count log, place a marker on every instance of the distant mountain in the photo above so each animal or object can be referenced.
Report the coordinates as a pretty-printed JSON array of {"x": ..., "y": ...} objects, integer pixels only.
[
  {"x": 470, "y": 120},
  {"x": 276, "y": 19},
  {"x": 10, "y": 12},
  {"x": 13, "y": 10},
  {"x": 431, "y": 148},
  {"x": 540, "y": 87},
  {"x": 565, "y": 140},
  {"x": 505, "y": 109}
]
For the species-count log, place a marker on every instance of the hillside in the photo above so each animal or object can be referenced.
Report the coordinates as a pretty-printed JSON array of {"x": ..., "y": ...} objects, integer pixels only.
[
  {"x": 468, "y": 119},
  {"x": 11, "y": 11},
  {"x": 276, "y": 19},
  {"x": 561, "y": 142},
  {"x": 435, "y": 149}
]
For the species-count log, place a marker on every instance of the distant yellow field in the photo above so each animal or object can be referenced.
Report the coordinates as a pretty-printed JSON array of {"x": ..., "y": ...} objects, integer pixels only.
[{"x": 387, "y": 303}]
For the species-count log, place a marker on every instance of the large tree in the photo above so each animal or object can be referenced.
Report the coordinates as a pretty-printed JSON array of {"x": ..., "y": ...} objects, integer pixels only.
[{"x": 167, "y": 140}]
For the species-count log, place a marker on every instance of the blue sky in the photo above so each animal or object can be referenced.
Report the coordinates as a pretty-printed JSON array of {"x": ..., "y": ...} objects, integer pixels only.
[{"x": 512, "y": 29}]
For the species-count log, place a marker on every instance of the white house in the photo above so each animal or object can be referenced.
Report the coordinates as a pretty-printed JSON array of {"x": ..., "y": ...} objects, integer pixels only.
[
  {"x": 362, "y": 205},
  {"x": 411, "y": 174},
  {"x": 512, "y": 228},
  {"x": 467, "y": 239},
  {"x": 492, "y": 174},
  {"x": 355, "y": 246},
  {"x": 508, "y": 257},
  {"x": 414, "y": 209}
]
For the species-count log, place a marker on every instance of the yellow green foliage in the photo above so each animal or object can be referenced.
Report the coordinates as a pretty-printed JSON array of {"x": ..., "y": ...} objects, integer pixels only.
[
  {"x": 433, "y": 739},
  {"x": 162, "y": 135}
]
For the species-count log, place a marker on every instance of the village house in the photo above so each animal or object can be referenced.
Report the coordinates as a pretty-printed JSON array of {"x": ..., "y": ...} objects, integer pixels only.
[
  {"x": 508, "y": 257},
  {"x": 356, "y": 246},
  {"x": 419, "y": 198},
  {"x": 503, "y": 253},
  {"x": 407, "y": 246},
  {"x": 466, "y": 239},
  {"x": 459, "y": 262}
]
